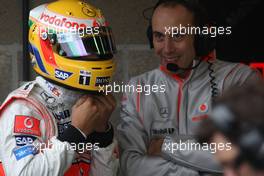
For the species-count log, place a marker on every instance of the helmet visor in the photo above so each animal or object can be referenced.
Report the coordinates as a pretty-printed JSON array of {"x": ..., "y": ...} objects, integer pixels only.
[{"x": 85, "y": 45}]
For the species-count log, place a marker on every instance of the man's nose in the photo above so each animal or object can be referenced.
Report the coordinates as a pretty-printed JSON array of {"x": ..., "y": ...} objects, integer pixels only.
[{"x": 168, "y": 45}]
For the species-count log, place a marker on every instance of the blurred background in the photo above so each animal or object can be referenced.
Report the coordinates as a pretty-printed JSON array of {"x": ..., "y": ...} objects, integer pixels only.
[{"x": 129, "y": 27}]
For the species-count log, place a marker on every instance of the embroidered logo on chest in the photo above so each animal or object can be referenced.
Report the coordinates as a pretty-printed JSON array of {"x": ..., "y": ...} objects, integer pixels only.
[
  {"x": 164, "y": 112},
  {"x": 203, "y": 108}
]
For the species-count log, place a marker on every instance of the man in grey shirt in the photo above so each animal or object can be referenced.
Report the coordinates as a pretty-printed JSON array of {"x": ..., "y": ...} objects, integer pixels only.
[{"x": 156, "y": 132}]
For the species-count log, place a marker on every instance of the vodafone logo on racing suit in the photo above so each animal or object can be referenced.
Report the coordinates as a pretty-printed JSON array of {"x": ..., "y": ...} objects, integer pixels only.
[{"x": 56, "y": 20}]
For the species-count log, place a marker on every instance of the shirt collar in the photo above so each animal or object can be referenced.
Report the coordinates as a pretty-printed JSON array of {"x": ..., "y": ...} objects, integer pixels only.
[{"x": 61, "y": 94}]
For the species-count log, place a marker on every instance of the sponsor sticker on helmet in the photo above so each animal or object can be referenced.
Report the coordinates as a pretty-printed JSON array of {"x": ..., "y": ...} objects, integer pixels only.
[
  {"x": 88, "y": 11},
  {"x": 85, "y": 77},
  {"x": 62, "y": 75},
  {"x": 102, "y": 81},
  {"x": 60, "y": 21}
]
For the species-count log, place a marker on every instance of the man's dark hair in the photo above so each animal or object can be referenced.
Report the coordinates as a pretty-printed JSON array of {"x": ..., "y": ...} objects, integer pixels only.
[{"x": 194, "y": 6}]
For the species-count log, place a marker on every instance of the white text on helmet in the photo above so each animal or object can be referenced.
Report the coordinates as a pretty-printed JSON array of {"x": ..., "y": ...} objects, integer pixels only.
[{"x": 60, "y": 22}]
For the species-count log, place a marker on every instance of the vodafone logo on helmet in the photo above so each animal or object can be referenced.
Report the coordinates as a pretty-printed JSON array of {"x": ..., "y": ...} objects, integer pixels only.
[{"x": 58, "y": 21}]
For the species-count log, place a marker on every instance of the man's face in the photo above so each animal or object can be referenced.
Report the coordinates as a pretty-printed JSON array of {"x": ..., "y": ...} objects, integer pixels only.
[
  {"x": 227, "y": 159},
  {"x": 177, "y": 49}
]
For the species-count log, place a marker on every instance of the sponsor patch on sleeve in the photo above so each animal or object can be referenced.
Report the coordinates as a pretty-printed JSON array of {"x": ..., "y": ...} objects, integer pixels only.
[
  {"x": 27, "y": 125},
  {"x": 24, "y": 151},
  {"x": 24, "y": 140}
]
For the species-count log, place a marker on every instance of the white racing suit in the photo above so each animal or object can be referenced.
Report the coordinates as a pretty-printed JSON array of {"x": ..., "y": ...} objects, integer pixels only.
[
  {"x": 173, "y": 114},
  {"x": 36, "y": 137}
]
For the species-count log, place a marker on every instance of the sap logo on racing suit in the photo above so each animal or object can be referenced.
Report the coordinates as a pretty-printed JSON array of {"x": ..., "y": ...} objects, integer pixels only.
[
  {"x": 62, "y": 75},
  {"x": 61, "y": 115},
  {"x": 24, "y": 140}
]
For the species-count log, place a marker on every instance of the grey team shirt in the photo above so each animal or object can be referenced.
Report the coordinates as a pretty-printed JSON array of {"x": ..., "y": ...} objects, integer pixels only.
[{"x": 175, "y": 115}]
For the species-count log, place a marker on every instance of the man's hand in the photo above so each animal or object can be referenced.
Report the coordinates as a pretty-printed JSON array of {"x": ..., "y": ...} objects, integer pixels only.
[
  {"x": 106, "y": 105},
  {"x": 92, "y": 112},
  {"x": 155, "y": 145},
  {"x": 85, "y": 114}
]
